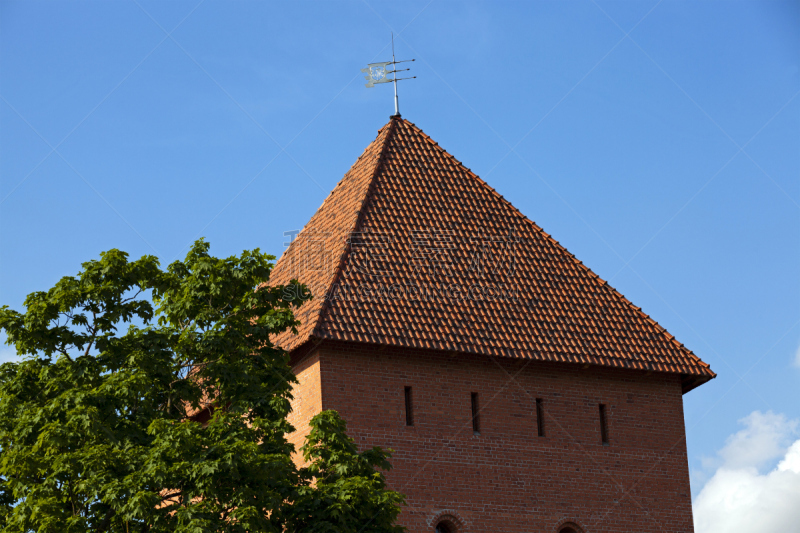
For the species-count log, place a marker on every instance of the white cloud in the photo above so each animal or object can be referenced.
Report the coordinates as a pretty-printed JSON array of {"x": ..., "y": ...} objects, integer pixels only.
[
  {"x": 739, "y": 498},
  {"x": 764, "y": 438}
]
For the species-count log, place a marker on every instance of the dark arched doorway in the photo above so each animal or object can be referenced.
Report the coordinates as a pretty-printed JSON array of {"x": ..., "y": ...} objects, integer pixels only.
[{"x": 445, "y": 527}]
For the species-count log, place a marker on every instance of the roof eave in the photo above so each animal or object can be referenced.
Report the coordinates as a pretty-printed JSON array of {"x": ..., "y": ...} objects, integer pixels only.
[{"x": 690, "y": 382}]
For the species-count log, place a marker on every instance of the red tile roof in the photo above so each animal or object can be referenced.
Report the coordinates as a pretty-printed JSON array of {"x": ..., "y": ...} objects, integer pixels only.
[{"x": 413, "y": 249}]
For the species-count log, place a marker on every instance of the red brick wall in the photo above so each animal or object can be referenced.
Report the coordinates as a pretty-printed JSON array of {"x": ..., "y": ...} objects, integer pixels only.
[
  {"x": 508, "y": 479},
  {"x": 307, "y": 399}
]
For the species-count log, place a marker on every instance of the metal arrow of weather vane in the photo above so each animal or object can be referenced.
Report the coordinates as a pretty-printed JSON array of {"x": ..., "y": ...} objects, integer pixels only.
[{"x": 379, "y": 72}]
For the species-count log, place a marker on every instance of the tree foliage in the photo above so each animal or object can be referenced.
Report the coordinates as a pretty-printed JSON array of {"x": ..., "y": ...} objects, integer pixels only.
[{"x": 152, "y": 400}]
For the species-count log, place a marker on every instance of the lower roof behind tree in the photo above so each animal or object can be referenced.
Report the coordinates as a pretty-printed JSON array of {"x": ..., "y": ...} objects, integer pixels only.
[{"x": 412, "y": 249}]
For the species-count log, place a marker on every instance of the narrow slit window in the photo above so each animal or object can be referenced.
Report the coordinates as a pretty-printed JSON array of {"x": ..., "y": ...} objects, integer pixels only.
[
  {"x": 409, "y": 407},
  {"x": 476, "y": 421},
  {"x": 603, "y": 425},
  {"x": 539, "y": 417}
]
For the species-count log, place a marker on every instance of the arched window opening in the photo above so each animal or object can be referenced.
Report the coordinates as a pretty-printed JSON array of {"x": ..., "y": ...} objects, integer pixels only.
[
  {"x": 569, "y": 528},
  {"x": 445, "y": 527}
]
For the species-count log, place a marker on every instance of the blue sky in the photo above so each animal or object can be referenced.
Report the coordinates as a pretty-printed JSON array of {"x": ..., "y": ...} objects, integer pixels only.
[{"x": 658, "y": 141}]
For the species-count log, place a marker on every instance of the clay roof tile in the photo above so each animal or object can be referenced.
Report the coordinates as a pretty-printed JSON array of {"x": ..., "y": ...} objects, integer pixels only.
[{"x": 415, "y": 211}]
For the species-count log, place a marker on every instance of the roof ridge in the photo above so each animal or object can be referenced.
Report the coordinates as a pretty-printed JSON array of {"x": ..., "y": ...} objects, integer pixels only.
[
  {"x": 330, "y": 194},
  {"x": 602, "y": 282},
  {"x": 347, "y": 247}
]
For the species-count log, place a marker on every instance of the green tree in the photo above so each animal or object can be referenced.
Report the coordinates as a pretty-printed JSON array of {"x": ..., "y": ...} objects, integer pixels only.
[{"x": 152, "y": 400}]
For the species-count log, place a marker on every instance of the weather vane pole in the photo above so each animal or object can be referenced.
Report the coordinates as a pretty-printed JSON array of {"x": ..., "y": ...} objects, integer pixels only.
[
  {"x": 377, "y": 73},
  {"x": 396, "y": 103}
]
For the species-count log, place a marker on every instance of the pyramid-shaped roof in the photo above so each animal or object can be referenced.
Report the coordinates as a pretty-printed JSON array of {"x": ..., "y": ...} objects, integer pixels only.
[{"x": 412, "y": 249}]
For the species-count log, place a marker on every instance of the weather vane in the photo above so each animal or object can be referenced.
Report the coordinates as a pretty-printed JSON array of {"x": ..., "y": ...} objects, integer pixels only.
[{"x": 378, "y": 73}]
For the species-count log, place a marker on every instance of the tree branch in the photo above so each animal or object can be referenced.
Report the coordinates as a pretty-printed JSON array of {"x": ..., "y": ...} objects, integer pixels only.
[{"x": 93, "y": 331}]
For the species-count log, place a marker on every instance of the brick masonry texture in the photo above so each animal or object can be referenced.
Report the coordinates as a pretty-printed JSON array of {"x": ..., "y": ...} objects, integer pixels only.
[
  {"x": 423, "y": 276},
  {"x": 306, "y": 401},
  {"x": 507, "y": 479}
]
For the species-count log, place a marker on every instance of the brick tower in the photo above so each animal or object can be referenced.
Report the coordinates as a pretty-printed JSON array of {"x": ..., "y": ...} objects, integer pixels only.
[{"x": 519, "y": 391}]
